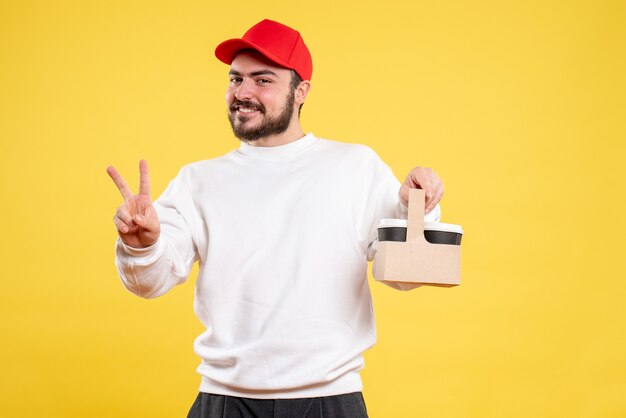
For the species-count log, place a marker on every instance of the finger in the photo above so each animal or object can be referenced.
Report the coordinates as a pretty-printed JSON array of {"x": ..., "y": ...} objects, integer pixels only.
[
  {"x": 422, "y": 181},
  {"x": 437, "y": 198},
  {"x": 120, "y": 225},
  {"x": 124, "y": 215},
  {"x": 144, "y": 178},
  {"x": 434, "y": 182},
  {"x": 120, "y": 183}
]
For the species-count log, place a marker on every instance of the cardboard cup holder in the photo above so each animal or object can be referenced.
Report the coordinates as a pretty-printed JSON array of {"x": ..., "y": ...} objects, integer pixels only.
[{"x": 419, "y": 253}]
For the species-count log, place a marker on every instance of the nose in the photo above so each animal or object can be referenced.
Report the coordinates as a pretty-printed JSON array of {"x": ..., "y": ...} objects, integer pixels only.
[{"x": 244, "y": 90}]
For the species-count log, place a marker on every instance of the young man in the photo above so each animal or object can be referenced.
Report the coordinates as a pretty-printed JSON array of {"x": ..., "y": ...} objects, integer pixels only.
[{"x": 283, "y": 228}]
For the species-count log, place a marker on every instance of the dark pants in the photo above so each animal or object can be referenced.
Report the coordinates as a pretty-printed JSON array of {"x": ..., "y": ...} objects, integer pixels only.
[{"x": 350, "y": 405}]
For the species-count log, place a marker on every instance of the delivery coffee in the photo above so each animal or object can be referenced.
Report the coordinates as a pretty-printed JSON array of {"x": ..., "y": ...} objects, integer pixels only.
[{"x": 434, "y": 232}]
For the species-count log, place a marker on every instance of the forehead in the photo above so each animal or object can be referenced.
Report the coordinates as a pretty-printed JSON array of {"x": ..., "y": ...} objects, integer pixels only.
[{"x": 250, "y": 61}]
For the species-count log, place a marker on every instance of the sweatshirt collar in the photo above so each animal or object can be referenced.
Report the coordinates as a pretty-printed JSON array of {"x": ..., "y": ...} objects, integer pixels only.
[{"x": 278, "y": 152}]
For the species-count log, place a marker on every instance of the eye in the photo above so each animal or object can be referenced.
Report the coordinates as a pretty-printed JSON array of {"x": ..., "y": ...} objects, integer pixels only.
[
  {"x": 235, "y": 80},
  {"x": 264, "y": 81}
]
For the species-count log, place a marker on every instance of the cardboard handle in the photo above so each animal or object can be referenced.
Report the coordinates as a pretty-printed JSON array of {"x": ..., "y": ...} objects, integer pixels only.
[{"x": 415, "y": 218}]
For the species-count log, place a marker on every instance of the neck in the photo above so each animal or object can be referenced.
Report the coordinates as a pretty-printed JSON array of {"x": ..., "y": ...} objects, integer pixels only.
[{"x": 293, "y": 133}]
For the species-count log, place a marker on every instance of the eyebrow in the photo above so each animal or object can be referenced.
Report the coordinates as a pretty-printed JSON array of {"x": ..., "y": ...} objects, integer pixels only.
[{"x": 255, "y": 73}]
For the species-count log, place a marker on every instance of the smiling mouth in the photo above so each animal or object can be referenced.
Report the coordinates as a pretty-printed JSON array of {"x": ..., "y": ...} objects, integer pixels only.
[{"x": 246, "y": 110}]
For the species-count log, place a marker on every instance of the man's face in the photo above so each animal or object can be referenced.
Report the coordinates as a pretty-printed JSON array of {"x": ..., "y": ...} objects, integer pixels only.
[{"x": 260, "y": 98}]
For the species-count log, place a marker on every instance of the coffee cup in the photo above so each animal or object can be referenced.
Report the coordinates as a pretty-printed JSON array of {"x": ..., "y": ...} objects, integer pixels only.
[{"x": 434, "y": 232}]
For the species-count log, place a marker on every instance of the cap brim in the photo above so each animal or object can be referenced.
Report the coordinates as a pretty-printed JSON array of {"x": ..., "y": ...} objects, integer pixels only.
[{"x": 227, "y": 50}]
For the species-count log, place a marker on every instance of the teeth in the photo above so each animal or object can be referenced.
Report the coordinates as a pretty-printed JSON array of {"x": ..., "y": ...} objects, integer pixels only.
[{"x": 246, "y": 110}]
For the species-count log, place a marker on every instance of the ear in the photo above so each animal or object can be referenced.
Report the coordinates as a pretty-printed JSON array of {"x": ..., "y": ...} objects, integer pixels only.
[{"x": 301, "y": 91}]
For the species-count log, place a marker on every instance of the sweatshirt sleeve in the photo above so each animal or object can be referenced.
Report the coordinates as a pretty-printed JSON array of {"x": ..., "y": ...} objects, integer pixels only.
[
  {"x": 389, "y": 205},
  {"x": 152, "y": 271}
]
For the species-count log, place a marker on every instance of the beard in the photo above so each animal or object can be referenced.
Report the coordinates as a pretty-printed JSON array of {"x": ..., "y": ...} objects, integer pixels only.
[{"x": 268, "y": 126}]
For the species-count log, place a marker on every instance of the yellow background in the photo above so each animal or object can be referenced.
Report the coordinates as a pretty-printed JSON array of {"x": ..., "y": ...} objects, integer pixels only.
[{"x": 519, "y": 106}]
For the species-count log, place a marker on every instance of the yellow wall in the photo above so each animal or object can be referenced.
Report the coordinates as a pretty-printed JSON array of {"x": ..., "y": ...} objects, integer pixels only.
[{"x": 519, "y": 106}]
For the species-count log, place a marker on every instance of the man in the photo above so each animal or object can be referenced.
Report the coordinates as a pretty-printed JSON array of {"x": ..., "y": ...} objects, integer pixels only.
[{"x": 282, "y": 228}]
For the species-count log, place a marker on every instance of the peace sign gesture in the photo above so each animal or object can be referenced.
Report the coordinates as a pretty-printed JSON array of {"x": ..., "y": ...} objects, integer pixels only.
[{"x": 136, "y": 220}]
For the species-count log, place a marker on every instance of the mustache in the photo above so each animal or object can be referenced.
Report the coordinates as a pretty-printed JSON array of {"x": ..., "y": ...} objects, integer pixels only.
[{"x": 246, "y": 103}]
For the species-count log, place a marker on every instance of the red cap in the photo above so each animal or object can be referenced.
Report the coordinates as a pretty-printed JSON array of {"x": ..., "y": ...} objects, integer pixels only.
[{"x": 277, "y": 42}]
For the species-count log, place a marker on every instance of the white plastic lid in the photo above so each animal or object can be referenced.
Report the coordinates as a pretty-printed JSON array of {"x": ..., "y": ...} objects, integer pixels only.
[
  {"x": 428, "y": 226},
  {"x": 392, "y": 223},
  {"x": 440, "y": 226}
]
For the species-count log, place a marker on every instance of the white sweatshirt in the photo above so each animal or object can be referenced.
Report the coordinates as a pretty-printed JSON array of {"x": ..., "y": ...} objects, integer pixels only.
[{"x": 283, "y": 235}]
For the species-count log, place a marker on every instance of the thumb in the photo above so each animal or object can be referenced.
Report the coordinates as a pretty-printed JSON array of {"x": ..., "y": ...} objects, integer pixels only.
[
  {"x": 404, "y": 194},
  {"x": 148, "y": 223},
  {"x": 142, "y": 221}
]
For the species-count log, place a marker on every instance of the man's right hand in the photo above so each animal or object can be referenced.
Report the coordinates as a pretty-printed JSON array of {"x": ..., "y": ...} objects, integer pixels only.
[{"x": 136, "y": 220}]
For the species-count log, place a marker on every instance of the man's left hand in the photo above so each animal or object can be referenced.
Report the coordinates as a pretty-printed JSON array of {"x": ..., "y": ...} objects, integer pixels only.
[{"x": 427, "y": 180}]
